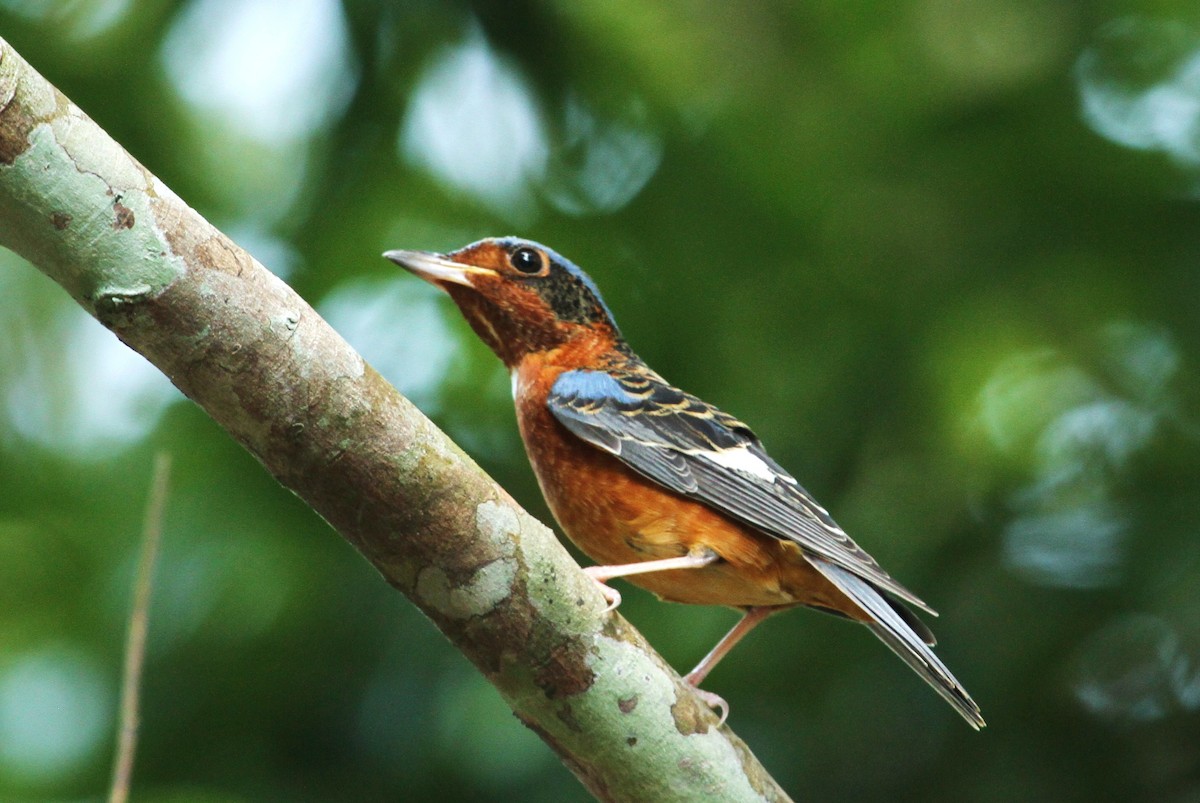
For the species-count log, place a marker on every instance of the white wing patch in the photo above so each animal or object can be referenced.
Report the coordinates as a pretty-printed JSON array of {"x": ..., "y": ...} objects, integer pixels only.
[{"x": 739, "y": 459}]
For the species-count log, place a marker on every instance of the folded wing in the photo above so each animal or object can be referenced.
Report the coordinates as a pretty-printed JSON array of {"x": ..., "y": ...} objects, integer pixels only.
[{"x": 696, "y": 450}]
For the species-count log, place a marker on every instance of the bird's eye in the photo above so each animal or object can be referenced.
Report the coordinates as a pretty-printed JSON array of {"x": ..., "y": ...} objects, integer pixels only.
[{"x": 526, "y": 260}]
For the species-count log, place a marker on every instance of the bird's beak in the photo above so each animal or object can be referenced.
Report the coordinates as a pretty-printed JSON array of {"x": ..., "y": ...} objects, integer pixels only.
[{"x": 435, "y": 268}]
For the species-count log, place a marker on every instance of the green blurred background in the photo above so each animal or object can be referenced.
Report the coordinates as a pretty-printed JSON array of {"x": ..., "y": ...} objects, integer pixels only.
[{"x": 943, "y": 255}]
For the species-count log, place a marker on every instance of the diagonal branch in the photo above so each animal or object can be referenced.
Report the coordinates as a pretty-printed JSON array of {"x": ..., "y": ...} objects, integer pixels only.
[{"x": 267, "y": 368}]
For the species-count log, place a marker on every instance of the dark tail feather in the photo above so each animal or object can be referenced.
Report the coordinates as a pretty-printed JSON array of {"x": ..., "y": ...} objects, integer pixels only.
[
  {"x": 913, "y": 621},
  {"x": 895, "y": 630}
]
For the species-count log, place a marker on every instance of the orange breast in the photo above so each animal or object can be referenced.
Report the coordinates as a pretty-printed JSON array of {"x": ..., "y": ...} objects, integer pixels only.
[{"x": 616, "y": 515}]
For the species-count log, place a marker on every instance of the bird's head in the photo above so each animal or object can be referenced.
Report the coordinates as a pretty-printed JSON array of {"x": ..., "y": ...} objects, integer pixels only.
[{"x": 519, "y": 297}]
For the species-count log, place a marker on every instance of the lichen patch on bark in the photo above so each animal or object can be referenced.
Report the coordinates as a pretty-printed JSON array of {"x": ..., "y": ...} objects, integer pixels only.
[
  {"x": 499, "y": 525},
  {"x": 490, "y": 585}
]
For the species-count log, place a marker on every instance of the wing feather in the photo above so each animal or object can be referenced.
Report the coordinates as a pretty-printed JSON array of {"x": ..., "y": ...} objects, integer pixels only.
[{"x": 694, "y": 449}]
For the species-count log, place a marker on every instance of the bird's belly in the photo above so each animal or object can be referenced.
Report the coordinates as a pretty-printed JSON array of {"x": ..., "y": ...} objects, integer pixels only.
[{"x": 616, "y": 516}]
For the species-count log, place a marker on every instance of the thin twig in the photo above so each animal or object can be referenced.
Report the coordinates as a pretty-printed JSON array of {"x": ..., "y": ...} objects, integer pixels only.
[{"x": 135, "y": 645}]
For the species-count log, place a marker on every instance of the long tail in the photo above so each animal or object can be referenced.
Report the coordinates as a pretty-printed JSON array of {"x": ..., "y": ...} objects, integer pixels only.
[{"x": 895, "y": 632}]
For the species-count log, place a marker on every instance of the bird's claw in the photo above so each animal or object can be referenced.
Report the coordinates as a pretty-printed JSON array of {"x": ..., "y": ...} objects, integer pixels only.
[
  {"x": 611, "y": 595},
  {"x": 713, "y": 701}
]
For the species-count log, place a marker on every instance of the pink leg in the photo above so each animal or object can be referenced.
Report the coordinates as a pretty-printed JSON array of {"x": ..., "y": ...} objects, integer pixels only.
[
  {"x": 692, "y": 560},
  {"x": 751, "y": 618}
]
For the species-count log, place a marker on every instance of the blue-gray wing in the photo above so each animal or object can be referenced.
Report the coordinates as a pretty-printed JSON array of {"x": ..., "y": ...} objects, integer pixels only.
[{"x": 696, "y": 450}]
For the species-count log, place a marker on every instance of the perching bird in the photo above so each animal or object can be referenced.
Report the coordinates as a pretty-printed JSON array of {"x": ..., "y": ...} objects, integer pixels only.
[{"x": 651, "y": 482}]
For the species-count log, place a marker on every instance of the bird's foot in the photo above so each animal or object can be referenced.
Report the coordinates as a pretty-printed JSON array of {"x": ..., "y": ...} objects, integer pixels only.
[
  {"x": 714, "y": 701},
  {"x": 611, "y": 595}
]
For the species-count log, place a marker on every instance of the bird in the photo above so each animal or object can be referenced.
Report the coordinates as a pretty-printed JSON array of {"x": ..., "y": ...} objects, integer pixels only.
[{"x": 655, "y": 485}]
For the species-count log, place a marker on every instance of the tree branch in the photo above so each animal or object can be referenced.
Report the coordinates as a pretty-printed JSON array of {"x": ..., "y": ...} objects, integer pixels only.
[{"x": 267, "y": 368}]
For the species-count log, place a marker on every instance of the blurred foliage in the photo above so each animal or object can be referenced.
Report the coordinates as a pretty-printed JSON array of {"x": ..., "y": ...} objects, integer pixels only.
[{"x": 944, "y": 256}]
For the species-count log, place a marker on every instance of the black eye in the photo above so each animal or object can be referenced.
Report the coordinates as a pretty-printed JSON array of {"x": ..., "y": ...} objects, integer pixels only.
[{"x": 526, "y": 260}]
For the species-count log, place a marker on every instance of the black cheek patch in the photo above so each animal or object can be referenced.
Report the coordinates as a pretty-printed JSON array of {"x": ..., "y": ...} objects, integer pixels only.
[{"x": 571, "y": 299}]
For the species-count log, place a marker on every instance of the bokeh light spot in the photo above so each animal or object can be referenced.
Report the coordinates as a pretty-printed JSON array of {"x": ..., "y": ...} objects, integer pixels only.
[
  {"x": 261, "y": 80},
  {"x": 272, "y": 70},
  {"x": 1136, "y": 670},
  {"x": 399, "y": 327},
  {"x": 474, "y": 124},
  {"x": 75, "y": 19},
  {"x": 1077, "y": 428},
  {"x": 1078, "y": 547},
  {"x": 55, "y": 712},
  {"x": 1139, "y": 86},
  {"x": 68, "y": 383},
  {"x": 601, "y": 165}
]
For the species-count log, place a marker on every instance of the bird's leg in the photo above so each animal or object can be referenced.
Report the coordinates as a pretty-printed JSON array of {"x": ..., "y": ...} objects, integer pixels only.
[
  {"x": 693, "y": 560},
  {"x": 697, "y": 559},
  {"x": 751, "y": 618}
]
